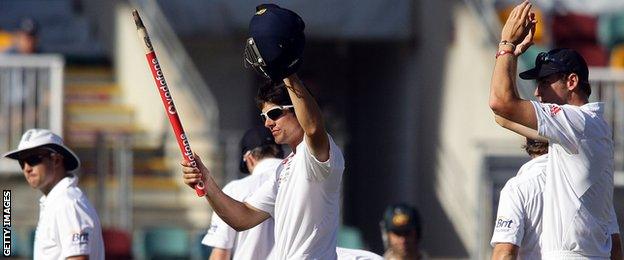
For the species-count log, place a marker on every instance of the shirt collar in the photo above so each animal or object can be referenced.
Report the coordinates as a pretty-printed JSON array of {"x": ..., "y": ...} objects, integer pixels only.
[
  {"x": 58, "y": 189},
  {"x": 596, "y": 107}
]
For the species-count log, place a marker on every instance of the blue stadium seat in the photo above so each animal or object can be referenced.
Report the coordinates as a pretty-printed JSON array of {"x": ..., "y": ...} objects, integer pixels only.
[
  {"x": 611, "y": 29},
  {"x": 166, "y": 243},
  {"x": 199, "y": 250},
  {"x": 350, "y": 237}
]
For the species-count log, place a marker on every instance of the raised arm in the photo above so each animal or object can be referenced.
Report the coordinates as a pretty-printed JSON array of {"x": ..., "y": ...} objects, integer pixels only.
[
  {"x": 240, "y": 216},
  {"x": 309, "y": 117},
  {"x": 516, "y": 37}
]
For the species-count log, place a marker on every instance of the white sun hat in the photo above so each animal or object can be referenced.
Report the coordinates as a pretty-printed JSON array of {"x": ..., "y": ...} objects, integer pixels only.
[{"x": 35, "y": 138}]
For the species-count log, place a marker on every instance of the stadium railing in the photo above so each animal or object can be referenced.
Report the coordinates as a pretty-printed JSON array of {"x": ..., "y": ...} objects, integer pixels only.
[{"x": 31, "y": 88}]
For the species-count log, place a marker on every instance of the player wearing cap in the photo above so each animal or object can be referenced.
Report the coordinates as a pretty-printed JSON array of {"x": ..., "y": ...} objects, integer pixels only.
[
  {"x": 401, "y": 232},
  {"x": 259, "y": 157},
  {"x": 68, "y": 226},
  {"x": 25, "y": 38},
  {"x": 303, "y": 196},
  {"x": 578, "y": 193}
]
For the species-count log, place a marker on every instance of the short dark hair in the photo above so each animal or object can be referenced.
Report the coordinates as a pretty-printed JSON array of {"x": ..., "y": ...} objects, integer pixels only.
[
  {"x": 267, "y": 151},
  {"x": 535, "y": 147},
  {"x": 584, "y": 86},
  {"x": 272, "y": 92}
]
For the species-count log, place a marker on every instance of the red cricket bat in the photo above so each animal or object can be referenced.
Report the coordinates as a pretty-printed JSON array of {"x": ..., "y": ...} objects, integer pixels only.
[{"x": 167, "y": 99}]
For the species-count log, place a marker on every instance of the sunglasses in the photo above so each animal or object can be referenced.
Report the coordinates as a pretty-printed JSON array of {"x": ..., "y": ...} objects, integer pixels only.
[
  {"x": 36, "y": 158},
  {"x": 33, "y": 160},
  {"x": 275, "y": 112}
]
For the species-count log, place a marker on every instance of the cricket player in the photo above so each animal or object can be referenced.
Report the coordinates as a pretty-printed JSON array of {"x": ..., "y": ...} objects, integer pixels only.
[
  {"x": 259, "y": 158},
  {"x": 578, "y": 192},
  {"x": 68, "y": 227},
  {"x": 519, "y": 219},
  {"x": 303, "y": 196}
]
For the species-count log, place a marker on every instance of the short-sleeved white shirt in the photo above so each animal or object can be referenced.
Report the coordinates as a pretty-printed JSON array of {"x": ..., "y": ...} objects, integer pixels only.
[
  {"x": 356, "y": 254},
  {"x": 519, "y": 214},
  {"x": 68, "y": 224},
  {"x": 304, "y": 199},
  {"x": 257, "y": 242},
  {"x": 578, "y": 195}
]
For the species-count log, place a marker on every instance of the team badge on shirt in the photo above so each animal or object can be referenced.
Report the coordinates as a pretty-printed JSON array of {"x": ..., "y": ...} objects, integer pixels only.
[
  {"x": 284, "y": 170},
  {"x": 551, "y": 109}
]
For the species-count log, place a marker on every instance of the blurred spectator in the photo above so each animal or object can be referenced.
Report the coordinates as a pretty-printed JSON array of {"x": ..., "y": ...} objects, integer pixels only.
[
  {"x": 401, "y": 232},
  {"x": 24, "y": 40}
]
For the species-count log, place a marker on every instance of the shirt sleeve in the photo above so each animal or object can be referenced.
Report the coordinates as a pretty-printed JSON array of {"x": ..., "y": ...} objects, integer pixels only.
[
  {"x": 264, "y": 198},
  {"x": 75, "y": 229},
  {"x": 562, "y": 125},
  {"x": 509, "y": 225},
  {"x": 317, "y": 170},
  {"x": 220, "y": 234}
]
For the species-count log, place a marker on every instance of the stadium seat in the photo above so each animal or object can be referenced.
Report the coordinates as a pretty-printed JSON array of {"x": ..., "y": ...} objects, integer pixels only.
[
  {"x": 617, "y": 56},
  {"x": 117, "y": 244},
  {"x": 594, "y": 54},
  {"x": 6, "y": 40},
  {"x": 166, "y": 243},
  {"x": 573, "y": 28},
  {"x": 350, "y": 237},
  {"x": 611, "y": 29}
]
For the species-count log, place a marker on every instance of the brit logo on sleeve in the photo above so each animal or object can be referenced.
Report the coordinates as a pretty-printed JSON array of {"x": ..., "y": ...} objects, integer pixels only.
[
  {"x": 80, "y": 238},
  {"x": 504, "y": 225}
]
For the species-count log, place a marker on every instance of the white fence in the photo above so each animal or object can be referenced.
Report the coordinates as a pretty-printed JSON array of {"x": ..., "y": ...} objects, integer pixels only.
[{"x": 31, "y": 95}]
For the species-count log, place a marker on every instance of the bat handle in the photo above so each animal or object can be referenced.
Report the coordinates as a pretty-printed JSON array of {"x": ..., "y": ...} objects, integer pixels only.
[{"x": 200, "y": 189}]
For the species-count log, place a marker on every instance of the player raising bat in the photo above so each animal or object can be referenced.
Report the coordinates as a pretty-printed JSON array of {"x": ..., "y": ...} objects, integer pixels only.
[{"x": 306, "y": 209}]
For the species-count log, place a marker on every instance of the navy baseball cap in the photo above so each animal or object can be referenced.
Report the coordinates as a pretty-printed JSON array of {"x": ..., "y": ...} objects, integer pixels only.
[
  {"x": 278, "y": 34},
  {"x": 253, "y": 138},
  {"x": 401, "y": 218},
  {"x": 558, "y": 61}
]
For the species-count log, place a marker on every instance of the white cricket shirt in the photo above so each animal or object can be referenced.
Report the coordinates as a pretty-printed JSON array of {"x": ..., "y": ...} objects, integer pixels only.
[
  {"x": 519, "y": 214},
  {"x": 304, "y": 199},
  {"x": 68, "y": 224},
  {"x": 578, "y": 195},
  {"x": 257, "y": 242}
]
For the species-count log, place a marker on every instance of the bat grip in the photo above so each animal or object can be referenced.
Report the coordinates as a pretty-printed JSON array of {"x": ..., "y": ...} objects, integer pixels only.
[{"x": 199, "y": 187}]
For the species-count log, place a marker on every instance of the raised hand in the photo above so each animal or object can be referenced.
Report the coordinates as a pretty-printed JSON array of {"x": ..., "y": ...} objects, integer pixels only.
[
  {"x": 528, "y": 39},
  {"x": 520, "y": 26}
]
